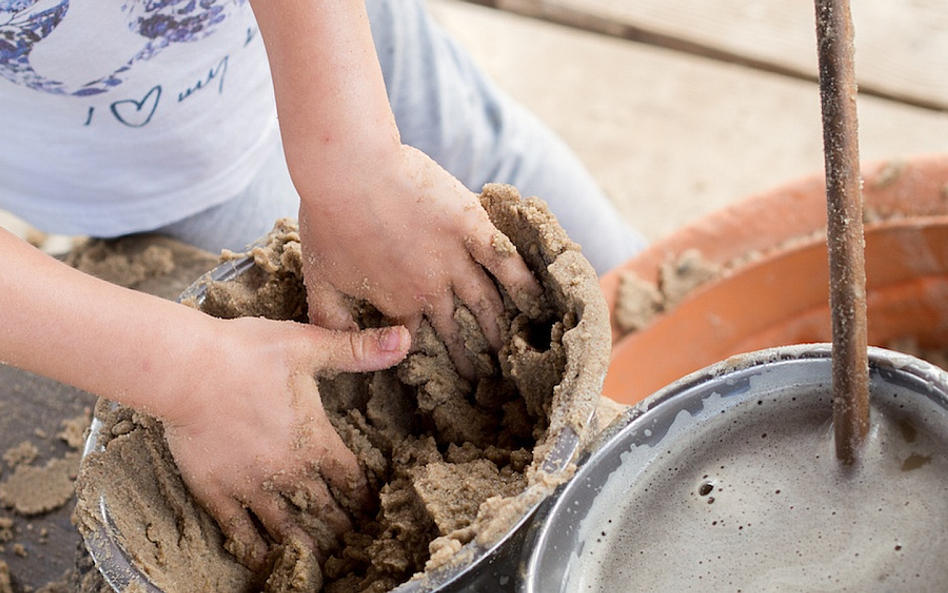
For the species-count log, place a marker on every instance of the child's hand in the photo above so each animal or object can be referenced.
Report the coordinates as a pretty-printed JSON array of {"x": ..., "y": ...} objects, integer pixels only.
[
  {"x": 379, "y": 220},
  {"x": 409, "y": 238},
  {"x": 238, "y": 399},
  {"x": 254, "y": 433}
]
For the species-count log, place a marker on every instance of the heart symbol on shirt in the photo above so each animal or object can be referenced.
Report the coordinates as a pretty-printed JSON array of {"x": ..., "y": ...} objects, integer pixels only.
[{"x": 134, "y": 113}]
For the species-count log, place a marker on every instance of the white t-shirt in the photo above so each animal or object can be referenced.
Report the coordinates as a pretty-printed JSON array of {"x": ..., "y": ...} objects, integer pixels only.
[{"x": 120, "y": 116}]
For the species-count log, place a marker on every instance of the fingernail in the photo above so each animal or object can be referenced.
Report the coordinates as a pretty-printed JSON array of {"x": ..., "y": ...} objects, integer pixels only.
[{"x": 390, "y": 339}]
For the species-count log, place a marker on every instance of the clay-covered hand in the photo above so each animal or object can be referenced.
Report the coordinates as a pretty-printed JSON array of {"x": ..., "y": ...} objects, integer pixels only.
[
  {"x": 409, "y": 238},
  {"x": 379, "y": 220},
  {"x": 254, "y": 440}
]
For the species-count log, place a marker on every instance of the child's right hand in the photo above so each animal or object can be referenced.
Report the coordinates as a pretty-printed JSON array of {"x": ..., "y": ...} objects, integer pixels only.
[{"x": 410, "y": 239}]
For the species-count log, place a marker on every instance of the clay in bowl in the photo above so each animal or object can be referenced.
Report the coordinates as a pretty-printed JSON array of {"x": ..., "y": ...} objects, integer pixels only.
[{"x": 457, "y": 464}]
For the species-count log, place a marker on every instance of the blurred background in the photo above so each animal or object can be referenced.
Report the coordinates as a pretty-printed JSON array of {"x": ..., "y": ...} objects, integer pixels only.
[{"x": 679, "y": 107}]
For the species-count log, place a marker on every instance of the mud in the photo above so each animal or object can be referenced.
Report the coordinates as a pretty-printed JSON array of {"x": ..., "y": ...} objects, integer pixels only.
[{"x": 453, "y": 461}]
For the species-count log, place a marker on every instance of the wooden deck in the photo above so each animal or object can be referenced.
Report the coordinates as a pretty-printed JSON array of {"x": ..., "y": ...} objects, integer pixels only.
[{"x": 681, "y": 106}]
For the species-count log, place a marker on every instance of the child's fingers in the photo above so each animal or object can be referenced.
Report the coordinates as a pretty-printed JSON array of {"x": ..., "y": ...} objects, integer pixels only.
[
  {"x": 316, "y": 513},
  {"x": 243, "y": 540},
  {"x": 340, "y": 469},
  {"x": 441, "y": 315},
  {"x": 479, "y": 294},
  {"x": 324, "y": 459},
  {"x": 328, "y": 307},
  {"x": 494, "y": 250}
]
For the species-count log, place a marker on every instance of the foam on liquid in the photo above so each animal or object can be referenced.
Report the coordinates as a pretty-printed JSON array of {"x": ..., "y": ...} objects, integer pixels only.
[{"x": 758, "y": 502}]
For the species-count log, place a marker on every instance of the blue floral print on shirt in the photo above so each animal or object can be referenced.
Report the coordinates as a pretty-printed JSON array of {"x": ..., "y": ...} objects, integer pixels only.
[{"x": 26, "y": 23}]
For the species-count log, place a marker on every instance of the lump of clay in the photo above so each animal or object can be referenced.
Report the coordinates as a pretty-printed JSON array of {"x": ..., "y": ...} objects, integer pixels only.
[
  {"x": 455, "y": 463},
  {"x": 638, "y": 302}
]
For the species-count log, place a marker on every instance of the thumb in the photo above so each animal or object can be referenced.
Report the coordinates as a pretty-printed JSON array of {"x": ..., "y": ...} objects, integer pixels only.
[{"x": 364, "y": 350}]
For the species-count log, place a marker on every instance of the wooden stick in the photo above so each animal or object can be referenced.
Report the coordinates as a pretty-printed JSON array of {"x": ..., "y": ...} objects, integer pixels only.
[{"x": 845, "y": 238}]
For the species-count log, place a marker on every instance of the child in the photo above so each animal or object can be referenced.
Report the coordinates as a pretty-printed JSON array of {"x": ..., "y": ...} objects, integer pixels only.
[{"x": 159, "y": 116}]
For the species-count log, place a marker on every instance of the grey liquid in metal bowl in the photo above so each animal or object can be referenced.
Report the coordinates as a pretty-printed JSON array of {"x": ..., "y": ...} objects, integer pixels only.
[{"x": 728, "y": 480}]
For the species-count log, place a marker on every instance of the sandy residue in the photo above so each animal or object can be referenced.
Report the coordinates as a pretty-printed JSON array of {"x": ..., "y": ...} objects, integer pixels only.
[
  {"x": 35, "y": 490},
  {"x": 147, "y": 262},
  {"x": 23, "y": 453},
  {"x": 639, "y": 302},
  {"x": 36, "y": 494},
  {"x": 7, "y": 530},
  {"x": 115, "y": 263},
  {"x": 6, "y": 586},
  {"x": 74, "y": 430},
  {"x": 451, "y": 460}
]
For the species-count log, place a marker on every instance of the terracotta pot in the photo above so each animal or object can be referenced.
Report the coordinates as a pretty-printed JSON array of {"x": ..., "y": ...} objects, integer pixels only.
[{"x": 781, "y": 296}]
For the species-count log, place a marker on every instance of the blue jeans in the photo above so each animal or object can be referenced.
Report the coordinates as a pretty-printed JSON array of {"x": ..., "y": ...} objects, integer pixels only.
[{"x": 446, "y": 107}]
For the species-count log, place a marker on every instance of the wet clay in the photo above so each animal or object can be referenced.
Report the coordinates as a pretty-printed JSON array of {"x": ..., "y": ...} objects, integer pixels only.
[
  {"x": 639, "y": 302},
  {"x": 6, "y": 586},
  {"x": 452, "y": 461}
]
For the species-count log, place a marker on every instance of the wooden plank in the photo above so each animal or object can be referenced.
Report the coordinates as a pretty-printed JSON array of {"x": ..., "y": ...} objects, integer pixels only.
[
  {"x": 671, "y": 136},
  {"x": 901, "y": 45}
]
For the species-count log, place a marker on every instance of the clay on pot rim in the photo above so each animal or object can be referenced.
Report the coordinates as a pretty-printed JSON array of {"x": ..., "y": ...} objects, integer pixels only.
[{"x": 777, "y": 291}]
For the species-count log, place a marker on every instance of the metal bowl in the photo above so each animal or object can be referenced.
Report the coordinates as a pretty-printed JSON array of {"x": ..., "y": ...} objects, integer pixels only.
[{"x": 576, "y": 541}]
